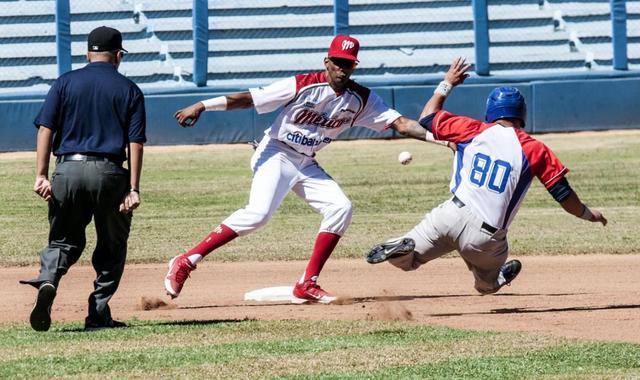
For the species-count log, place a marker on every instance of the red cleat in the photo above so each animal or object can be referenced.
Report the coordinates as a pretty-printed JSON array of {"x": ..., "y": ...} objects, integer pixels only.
[
  {"x": 309, "y": 291},
  {"x": 179, "y": 269}
]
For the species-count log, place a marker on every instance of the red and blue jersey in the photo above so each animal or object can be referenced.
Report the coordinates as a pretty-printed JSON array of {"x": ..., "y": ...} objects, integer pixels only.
[{"x": 494, "y": 165}]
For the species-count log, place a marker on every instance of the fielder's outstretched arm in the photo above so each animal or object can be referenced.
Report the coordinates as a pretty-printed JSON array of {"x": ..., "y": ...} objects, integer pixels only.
[
  {"x": 411, "y": 128},
  {"x": 187, "y": 117}
]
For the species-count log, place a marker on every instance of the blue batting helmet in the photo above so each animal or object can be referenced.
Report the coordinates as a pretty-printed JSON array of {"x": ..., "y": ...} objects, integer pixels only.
[{"x": 506, "y": 103}]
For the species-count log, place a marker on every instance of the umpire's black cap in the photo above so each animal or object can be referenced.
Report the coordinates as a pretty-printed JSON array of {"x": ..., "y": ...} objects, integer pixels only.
[{"x": 105, "y": 39}]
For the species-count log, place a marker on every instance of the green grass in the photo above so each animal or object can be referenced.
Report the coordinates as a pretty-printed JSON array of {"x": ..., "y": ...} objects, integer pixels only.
[
  {"x": 187, "y": 192},
  {"x": 303, "y": 349}
]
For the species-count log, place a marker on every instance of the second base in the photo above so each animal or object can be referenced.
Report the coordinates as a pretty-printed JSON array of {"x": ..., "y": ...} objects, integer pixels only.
[{"x": 275, "y": 293}]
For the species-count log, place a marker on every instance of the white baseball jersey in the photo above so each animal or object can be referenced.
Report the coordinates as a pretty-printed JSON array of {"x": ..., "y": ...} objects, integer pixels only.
[
  {"x": 314, "y": 114},
  {"x": 494, "y": 165}
]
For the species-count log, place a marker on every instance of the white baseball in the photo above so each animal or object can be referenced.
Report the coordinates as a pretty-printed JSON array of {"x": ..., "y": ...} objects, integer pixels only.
[{"x": 405, "y": 158}]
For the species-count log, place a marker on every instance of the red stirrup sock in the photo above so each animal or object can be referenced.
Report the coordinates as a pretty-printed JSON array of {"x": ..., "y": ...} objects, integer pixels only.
[
  {"x": 325, "y": 243},
  {"x": 220, "y": 236}
]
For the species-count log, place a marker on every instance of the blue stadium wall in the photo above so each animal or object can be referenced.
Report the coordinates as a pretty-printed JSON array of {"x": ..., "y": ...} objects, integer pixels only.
[{"x": 554, "y": 105}]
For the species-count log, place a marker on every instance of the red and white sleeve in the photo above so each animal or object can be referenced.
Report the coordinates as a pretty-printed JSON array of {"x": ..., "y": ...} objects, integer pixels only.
[
  {"x": 449, "y": 127},
  {"x": 376, "y": 114},
  {"x": 271, "y": 97},
  {"x": 543, "y": 162}
]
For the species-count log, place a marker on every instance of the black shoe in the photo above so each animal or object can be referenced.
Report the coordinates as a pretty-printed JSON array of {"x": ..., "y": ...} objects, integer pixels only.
[
  {"x": 41, "y": 314},
  {"x": 111, "y": 324},
  {"x": 389, "y": 249},
  {"x": 508, "y": 272}
]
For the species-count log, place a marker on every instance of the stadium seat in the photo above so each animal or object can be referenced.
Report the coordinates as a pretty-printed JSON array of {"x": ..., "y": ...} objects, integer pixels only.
[{"x": 255, "y": 42}]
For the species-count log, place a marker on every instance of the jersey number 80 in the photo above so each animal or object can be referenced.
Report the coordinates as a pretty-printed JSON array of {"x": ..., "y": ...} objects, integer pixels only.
[{"x": 497, "y": 172}]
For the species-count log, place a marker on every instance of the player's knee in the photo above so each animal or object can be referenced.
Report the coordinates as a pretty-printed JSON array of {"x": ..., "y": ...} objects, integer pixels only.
[
  {"x": 406, "y": 263},
  {"x": 484, "y": 289},
  {"x": 337, "y": 217},
  {"x": 258, "y": 217},
  {"x": 344, "y": 213},
  {"x": 403, "y": 266},
  {"x": 343, "y": 210}
]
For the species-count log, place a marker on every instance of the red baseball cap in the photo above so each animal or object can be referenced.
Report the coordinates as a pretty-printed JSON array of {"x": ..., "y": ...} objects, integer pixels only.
[{"x": 345, "y": 47}]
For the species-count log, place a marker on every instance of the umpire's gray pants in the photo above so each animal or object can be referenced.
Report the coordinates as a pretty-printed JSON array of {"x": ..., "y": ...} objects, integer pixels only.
[
  {"x": 447, "y": 228},
  {"x": 82, "y": 190}
]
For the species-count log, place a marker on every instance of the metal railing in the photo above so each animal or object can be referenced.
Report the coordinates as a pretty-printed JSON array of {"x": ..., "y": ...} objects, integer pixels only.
[{"x": 200, "y": 42}]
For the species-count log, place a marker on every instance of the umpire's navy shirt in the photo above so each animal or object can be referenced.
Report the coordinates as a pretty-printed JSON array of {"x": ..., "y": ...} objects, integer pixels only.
[{"x": 95, "y": 111}]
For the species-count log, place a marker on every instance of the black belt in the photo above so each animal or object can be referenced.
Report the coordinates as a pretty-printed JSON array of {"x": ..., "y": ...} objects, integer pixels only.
[
  {"x": 485, "y": 226},
  {"x": 82, "y": 157},
  {"x": 290, "y": 147}
]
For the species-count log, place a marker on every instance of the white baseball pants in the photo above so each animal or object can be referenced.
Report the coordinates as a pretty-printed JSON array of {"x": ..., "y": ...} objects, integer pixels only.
[
  {"x": 277, "y": 168},
  {"x": 447, "y": 228}
]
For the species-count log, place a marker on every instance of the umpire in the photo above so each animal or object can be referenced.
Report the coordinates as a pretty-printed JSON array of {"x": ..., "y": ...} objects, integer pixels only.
[{"x": 90, "y": 117}]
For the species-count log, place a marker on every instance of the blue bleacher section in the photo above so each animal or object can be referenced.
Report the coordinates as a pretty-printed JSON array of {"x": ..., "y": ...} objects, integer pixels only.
[
  {"x": 558, "y": 52},
  {"x": 254, "y": 42}
]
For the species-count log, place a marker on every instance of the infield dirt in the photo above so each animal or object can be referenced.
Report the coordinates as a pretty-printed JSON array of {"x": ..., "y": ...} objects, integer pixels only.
[{"x": 591, "y": 297}]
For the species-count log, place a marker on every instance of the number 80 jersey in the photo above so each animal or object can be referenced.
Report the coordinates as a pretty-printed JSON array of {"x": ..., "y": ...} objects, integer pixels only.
[{"x": 494, "y": 165}]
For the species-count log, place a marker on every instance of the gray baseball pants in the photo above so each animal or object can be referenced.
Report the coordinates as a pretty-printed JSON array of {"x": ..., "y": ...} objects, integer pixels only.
[{"x": 449, "y": 227}]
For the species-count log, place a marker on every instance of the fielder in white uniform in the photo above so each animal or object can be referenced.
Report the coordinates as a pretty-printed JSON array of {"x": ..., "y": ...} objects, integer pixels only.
[
  {"x": 493, "y": 168},
  {"x": 315, "y": 109}
]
